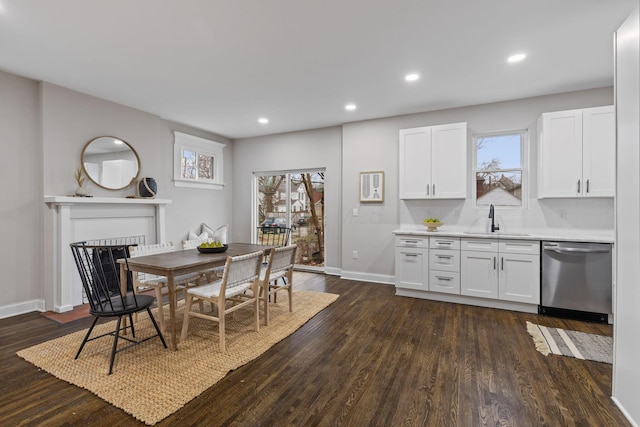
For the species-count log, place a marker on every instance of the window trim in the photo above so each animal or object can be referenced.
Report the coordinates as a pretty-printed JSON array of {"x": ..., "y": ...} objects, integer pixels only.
[
  {"x": 525, "y": 148},
  {"x": 183, "y": 141}
]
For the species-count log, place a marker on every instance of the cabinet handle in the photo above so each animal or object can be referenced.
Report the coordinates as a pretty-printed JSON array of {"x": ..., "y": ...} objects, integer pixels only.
[
  {"x": 427, "y": 189},
  {"x": 494, "y": 263},
  {"x": 448, "y": 279},
  {"x": 587, "y": 186},
  {"x": 411, "y": 241},
  {"x": 434, "y": 189},
  {"x": 443, "y": 243},
  {"x": 502, "y": 263},
  {"x": 444, "y": 256},
  {"x": 411, "y": 255},
  {"x": 578, "y": 186}
]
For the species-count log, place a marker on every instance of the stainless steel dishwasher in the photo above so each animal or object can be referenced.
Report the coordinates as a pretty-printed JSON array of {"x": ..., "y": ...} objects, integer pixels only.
[{"x": 576, "y": 280}]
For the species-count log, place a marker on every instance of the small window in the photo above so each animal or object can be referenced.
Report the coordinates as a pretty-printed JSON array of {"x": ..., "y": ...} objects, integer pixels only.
[
  {"x": 499, "y": 169},
  {"x": 198, "y": 162}
]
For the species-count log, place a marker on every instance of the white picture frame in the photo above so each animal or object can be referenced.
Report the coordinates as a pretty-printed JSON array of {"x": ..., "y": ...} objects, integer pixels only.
[{"x": 372, "y": 187}]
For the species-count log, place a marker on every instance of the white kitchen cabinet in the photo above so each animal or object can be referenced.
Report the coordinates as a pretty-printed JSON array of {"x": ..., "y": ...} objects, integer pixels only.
[
  {"x": 412, "y": 262},
  {"x": 507, "y": 270},
  {"x": 577, "y": 153},
  {"x": 444, "y": 265},
  {"x": 433, "y": 162}
]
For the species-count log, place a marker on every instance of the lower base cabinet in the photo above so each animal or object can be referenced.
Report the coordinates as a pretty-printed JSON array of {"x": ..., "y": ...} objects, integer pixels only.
[
  {"x": 412, "y": 268},
  {"x": 508, "y": 270}
]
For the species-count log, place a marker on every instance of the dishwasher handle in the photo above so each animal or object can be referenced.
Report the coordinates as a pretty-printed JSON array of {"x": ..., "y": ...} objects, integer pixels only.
[{"x": 576, "y": 250}]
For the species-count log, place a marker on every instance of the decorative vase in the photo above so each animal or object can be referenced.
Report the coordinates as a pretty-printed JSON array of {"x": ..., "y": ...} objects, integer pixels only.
[
  {"x": 81, "y": 191},
  {"x": 147, "y": 188}
]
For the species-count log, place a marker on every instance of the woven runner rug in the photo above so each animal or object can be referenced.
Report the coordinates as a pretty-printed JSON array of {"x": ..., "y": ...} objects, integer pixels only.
[
  {"x": 150, "y": 382},
  {"x": 580, "y": 345}
]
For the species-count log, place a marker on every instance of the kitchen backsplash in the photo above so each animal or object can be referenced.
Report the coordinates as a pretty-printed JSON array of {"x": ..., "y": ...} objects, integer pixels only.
[{"x": 540, "y": 215}]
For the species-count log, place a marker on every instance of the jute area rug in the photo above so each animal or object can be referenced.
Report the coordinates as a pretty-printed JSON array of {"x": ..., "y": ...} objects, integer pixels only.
[
  {"x": 150, "y": 382},
  {"x": 563, "y": 342}
]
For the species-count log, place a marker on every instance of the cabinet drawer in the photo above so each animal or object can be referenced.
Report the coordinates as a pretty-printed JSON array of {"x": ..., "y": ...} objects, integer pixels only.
[
  {"x": 520, "y": 247},
  {"x": 412, "y": 241},
  {"x": 444, "y": 243},
  {"x": 444, "y": 281},
  {"x": 480, "y": 245},
  {"x": 444, "y": 260}
]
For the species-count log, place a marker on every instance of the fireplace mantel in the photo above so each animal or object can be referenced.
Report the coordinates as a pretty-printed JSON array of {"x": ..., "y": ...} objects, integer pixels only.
[{"x": 89, "y": 218}]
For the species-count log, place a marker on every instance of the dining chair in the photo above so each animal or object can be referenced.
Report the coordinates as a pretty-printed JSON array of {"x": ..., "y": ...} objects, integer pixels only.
[
  {"x": 145, "y": 281},
  {"x": 212, "y": 273},
  {"x": 100, "y": 276},
  {"x": 239, "y": 286},
  {"x": 280, "y": 265},
  {"x": 276, "y": 236}
]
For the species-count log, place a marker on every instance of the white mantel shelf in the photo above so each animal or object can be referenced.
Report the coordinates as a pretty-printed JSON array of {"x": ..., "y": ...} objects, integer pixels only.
[
  {"x": 87, "y": 218},
  {"x": 59, "y": 200}
]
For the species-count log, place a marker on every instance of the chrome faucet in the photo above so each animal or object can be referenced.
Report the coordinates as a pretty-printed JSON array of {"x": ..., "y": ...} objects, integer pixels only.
[{"x": 492, "y": 215}]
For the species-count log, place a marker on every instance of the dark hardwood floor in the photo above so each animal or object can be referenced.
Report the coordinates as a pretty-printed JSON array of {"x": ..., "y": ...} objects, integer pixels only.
[{"x": 370, "y": 359}]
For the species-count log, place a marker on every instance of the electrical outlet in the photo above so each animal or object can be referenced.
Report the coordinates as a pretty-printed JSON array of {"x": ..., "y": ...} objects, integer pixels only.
[
  {"x": 355, "y": 211},
  {"x": 355, "y": 255}
]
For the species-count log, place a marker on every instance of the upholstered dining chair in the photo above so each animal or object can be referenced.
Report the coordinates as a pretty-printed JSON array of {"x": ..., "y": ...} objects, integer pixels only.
[
  {"x": 280, "y": 265},
  {"x": 212, "y": 273},
  {"x": 144, "y": 281},
  {"x": 100, "y": 276},
  {"x": 239, "y": 286}
]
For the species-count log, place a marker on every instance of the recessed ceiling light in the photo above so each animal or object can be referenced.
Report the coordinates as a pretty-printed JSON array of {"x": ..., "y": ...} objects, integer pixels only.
[
  {"x": 516, "y": 58},
  {"x": 263, "y": 120},
  {"x": 412, "y": 77},
  {"x": 350, "y": 107}
]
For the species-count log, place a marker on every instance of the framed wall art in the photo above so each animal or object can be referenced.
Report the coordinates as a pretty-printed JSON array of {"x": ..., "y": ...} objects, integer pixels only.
[{"x": 372, "y": 187}]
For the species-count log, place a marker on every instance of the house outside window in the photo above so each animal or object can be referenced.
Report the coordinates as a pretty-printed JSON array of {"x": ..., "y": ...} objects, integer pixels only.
[
  {"x": 499, "y": 169},
  {"x": 198, "y": 162}
]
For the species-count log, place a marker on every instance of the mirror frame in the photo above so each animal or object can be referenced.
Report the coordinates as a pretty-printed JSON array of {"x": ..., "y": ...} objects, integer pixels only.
[{"x": 135, "y": 153}]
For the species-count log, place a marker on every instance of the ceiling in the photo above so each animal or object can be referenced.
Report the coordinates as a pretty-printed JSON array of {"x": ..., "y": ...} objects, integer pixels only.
[{"x": 219, "y": 65}]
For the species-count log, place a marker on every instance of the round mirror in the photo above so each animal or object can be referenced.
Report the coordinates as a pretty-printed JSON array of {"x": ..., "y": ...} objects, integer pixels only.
[{"x": 110, "y": 162}]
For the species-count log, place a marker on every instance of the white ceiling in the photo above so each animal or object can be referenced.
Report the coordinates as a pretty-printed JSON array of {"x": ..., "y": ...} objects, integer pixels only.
[{"x": 219, "y": 65}]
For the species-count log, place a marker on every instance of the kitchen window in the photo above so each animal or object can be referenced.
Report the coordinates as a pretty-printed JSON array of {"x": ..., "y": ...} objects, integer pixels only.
[
  {"x": 197, "y": 162},
  {"x": 499, "y": 169}
]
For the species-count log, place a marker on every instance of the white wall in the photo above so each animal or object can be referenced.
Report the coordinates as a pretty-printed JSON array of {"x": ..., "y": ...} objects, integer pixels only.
[
  {"x": 373, "y": 145},
  {"x": 319, "y": 148},
  {"x": 626, "y": 368},
  {"x": 21, "y": 252}
]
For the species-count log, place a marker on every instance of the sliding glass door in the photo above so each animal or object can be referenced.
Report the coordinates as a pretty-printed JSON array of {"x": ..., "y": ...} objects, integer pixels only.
[{"x": 293, "y": 200}]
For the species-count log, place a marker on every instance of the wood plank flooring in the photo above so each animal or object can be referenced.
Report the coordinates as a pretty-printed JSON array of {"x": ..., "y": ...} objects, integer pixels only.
[{"x": 370, "y": 359}]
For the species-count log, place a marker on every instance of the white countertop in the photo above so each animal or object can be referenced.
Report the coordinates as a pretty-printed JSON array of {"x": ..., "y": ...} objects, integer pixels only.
[{"x": 593, "y": 236}]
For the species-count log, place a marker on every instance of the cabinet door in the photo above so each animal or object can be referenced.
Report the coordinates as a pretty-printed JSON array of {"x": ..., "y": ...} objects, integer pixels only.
[
  {"x": 415, "y": 163},
  {"x": 598, "y": 151},
  {"x": 560, "y": 148},
  {"x": 519, "y": 278},
  {"x": 479, "y": 274},
  {"x": 449, "y": 161},
  {"x": 412, "y": 268}
]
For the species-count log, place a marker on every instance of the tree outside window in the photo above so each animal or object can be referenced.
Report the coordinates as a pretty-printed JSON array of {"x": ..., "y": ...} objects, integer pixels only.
[{"x": 499, "y": 169}]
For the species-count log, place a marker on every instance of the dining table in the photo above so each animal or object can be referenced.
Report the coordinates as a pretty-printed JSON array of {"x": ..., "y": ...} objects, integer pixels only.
[{"x": 176, "y": 263}]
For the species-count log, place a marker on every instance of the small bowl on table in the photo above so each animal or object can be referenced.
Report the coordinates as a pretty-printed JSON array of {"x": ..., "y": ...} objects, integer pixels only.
[
  {"x": 432, "y": 226},
  {"x": 217, "y": 250}
]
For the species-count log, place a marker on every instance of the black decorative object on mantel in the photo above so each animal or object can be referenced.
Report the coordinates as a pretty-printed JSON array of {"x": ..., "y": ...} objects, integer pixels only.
[{"x": 147, "y": 188}]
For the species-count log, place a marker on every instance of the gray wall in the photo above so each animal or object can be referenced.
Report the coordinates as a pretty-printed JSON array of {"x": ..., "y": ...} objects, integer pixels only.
[
  {"x": 21, "y": 251},
  {"x": 318, "y": 148},
  {"x": 373, "y": 145},
  {"x": 43, "y": 132}
]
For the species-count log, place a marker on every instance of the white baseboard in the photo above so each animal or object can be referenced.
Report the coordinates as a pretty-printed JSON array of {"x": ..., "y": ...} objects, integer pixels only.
[
  {"x": 367, "y": 277},
  {"x": 333, "y": 271},
  {"x": 463, "y": 299},
  {"x": 624, "y": 412},
  {"x": 21, "y": 308}
]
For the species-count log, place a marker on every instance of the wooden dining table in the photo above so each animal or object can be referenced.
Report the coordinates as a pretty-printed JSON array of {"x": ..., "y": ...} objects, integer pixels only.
[{"x": 177, "y": 263}]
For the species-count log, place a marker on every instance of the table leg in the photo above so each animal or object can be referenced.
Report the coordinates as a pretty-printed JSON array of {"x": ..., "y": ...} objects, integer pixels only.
[{"x": 171, "y": 287}]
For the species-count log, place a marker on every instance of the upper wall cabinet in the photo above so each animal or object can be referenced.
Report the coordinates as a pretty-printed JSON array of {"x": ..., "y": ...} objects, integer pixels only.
[
  {"x": 577, "y": 153},
  {"x": 433, "y": 162}
]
